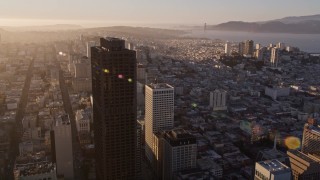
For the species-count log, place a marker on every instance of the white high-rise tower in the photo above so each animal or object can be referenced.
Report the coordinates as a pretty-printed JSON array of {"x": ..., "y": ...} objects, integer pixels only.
[
  {"x": 227, "y": 48},
  {"x": 159, "y": 115},
  {"x": 274, "y": 57}
]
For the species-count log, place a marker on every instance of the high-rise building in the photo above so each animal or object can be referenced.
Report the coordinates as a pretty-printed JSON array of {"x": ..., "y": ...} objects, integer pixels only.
[
  {"x": 82, "y": 75},
  {"x": 130, "y": 46},
  {"x": 140, "y": 96},
  {"x": 62, "y": 147},
  {"x": 281, "y": 46},
  {"x": 114, "y": 109},
  {"x": 179, "y": 152},
  {"x": 311, "y": 139},
  {"x": 241, "y": 48},
  {"x": 258, "y": 46},
  {"x": 141, "y": 73},
  {"x": 82, "y": 68},
  {"x": 274, "y": 57},
  {"x": 248, "y": 47},
  {"x": 227, "y": 48},
  {"x": 304, "y": 166},
  {"x": 159, "y": 114},
  {"x": 90, "y": 44},
  {"x": 272, "y": 170},
  {"x": 260, "y": 53},
  {"x": 218, "y": 100}
]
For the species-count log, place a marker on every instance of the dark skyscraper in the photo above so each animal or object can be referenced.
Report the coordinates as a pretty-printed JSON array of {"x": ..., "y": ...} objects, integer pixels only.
[
  {"x": 248, "y": 47},
  {"x": 114, "y": 109}
]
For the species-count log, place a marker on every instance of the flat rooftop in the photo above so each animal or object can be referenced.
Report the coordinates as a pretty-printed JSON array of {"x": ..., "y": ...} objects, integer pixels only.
[
  {"x": 274, "y": 166},
  {"x": 159, "y": 86},
  {"x": 112, "y": 39},
  {"x": 306, "y": 157},
  {"x": 178, "y": 137},
  {"x": 313, "y": 129}
]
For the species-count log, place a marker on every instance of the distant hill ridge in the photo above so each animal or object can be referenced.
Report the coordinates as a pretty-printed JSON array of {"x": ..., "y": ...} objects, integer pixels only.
[
  {"x": 55, "y": 27},
  {"x": 299, "y": 25}
]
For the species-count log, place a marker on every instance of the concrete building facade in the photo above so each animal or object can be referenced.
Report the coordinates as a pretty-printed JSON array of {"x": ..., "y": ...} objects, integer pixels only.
[
  {"x": 218, "y": 100},
  {"x": 159, "y": 114},
  {"x": 272, "y": 170}
]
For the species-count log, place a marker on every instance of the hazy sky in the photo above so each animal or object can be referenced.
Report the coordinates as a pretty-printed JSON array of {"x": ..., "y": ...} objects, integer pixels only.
[{"x": 122, "y": 12}]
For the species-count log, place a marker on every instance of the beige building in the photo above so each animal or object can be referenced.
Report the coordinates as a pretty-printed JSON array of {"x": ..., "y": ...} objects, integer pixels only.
[
  {"x": 82, "y": 75},
  {"x": 274, "y": 57},
  {"x": 304, "y": 166},
  {"x": 63, "y": 147},
  {"x": 179, "y": 152},
  {"x": 272, "y": 170},
  {"x": 159, "y": 114},
  {"x": 227, "y": 48},
  {"x": 89, "y": 45},
  {"x": 311, "y": 139}
]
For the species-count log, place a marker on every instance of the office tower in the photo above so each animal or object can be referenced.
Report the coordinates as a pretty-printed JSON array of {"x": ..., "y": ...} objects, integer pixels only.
[
  {"x": 90, "y": 44},
  {"x": 260, "y": 53},
  {"x": 140, "y": 96},
  {"x": 274, "y": 57},
  {"x": 311, "y": 139},
  {"x": 62, "y": 147},
  {"x": 141, "y": 73},
  {"x": 114, "y": 109},
  {"x": 159, "y": 114},
  {"x": 130, "y": 46},
  {"x": 248, "y": 48},
  {"x": 281, "y": 46},
  {"x": 82, "y": 68},
  {"x": 304, "y": 166},
  {"x": 258, "y": 46},
  {"x": 81, "y": 81},
  {"x": 241, "y": 48},
  {"x": 272, "y": 170},
  {"x": 218, "y": 100},
  {"x": 179, "y": 152},
  {"x": 227, "y": 48}
]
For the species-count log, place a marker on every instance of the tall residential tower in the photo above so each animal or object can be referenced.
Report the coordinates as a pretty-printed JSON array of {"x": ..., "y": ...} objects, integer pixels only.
[{"x": 227, "y": 48}]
